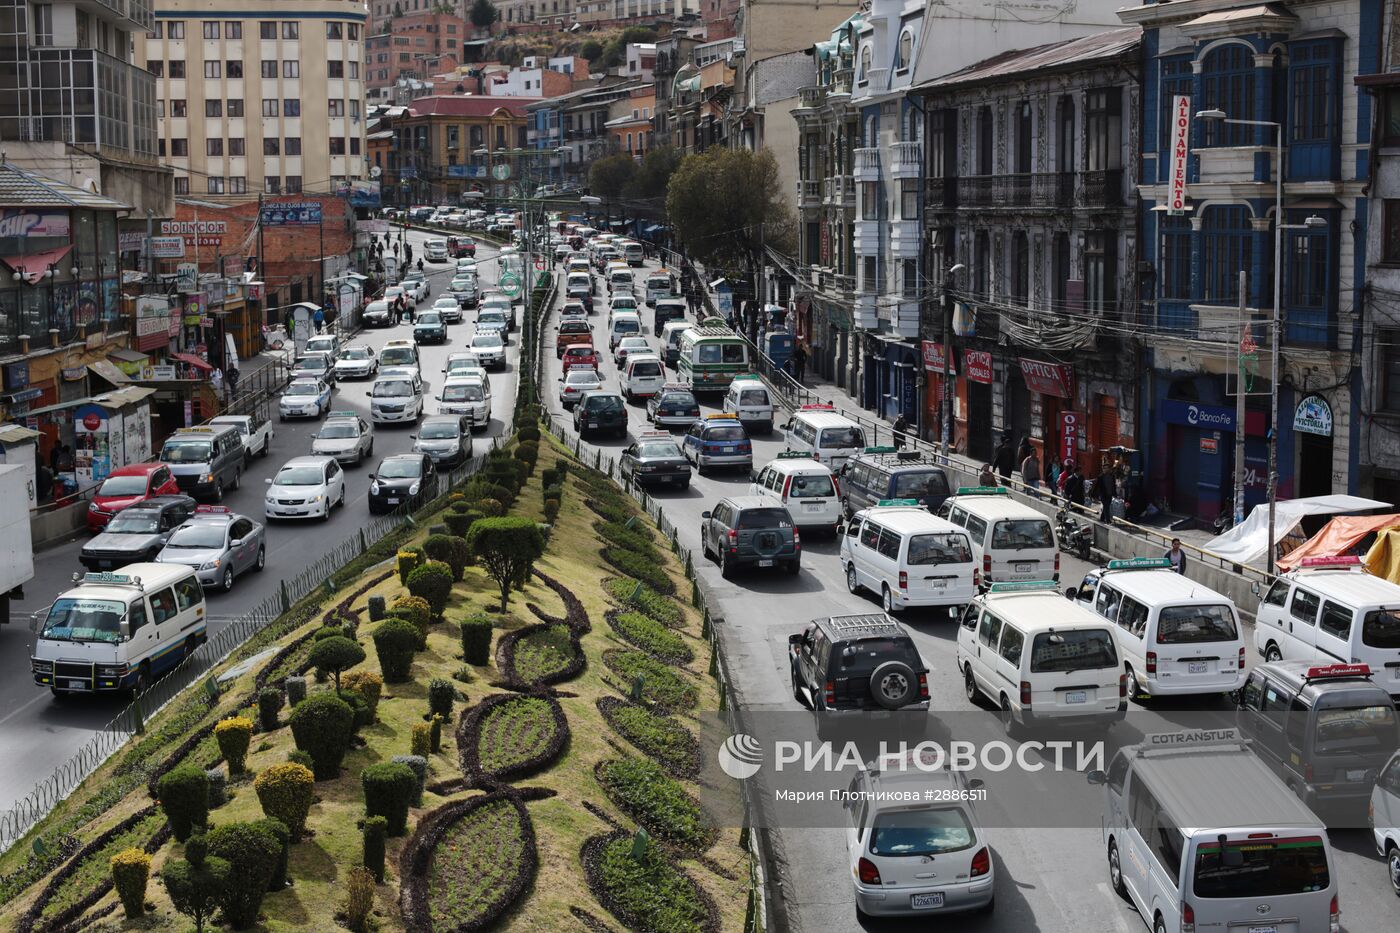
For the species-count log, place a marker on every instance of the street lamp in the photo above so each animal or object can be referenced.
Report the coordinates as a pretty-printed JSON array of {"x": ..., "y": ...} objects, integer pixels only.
[{"x": 1275, "y": 324}]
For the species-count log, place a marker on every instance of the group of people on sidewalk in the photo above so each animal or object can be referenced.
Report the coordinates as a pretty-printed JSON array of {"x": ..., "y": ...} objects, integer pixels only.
[{"x": 1063, "y": 480}]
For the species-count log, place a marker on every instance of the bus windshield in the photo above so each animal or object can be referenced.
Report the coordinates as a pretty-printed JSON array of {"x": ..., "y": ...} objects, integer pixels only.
[{"x": 84, "y": 620}]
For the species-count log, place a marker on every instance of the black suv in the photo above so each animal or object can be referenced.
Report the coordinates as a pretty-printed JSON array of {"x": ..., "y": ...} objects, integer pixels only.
[
  {"x": 600, "y": 412},
  {"x": 136, "y": 533},
  {"x": 746, "y": 531},
  {"x": 886, "y": 473},
  {"x": 857, "y": 662}
]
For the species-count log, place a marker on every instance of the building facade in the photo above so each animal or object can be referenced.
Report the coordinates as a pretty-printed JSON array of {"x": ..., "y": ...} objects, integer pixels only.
[
  {"x": 444, "y": 146},
  {"x": 1291, "y": 66},
  {"x": 249, "y": 104},
  {"x": 417, "y": 45}
]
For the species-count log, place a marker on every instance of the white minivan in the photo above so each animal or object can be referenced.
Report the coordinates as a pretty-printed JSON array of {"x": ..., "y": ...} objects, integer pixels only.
[
  {"x": 908, "y": 556},
  {"x": 620, "y": 281},
  {"x": 623, "y": 324},
  {"x": 643, "y": 377},
  {"x": 1040, "y": 659},
  {"x": 1330, "y": 609},
  {"x": 119, "y": 631},
  {"x": 748, "y": 398},
  {"x": 819, "y": 431},
  {"x": 1176, "y": 636},
  {"x": 806, "y": 488},
  {"x": 1013, "y": 542}
]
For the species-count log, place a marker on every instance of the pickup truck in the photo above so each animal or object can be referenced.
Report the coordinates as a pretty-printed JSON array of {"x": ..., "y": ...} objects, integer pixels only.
[
  {"x": 571, "y": 332},
  {"x": 256, "y": 432}
]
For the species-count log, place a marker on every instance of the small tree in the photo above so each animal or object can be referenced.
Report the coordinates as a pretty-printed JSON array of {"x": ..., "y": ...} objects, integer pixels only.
[
  {"x": 196, "y": 883},
  {"x": 131, "y": 868},
  {"x": 322, "y": 726},
  {"x": 253, "y": 854},
  {"x": 506, "y": 547},
  {"x": 234, "y": 735},
  {"x": 611, "y": 175},
  {"x": 484, "y": 14},
  {"x": 336, "y": 654}
]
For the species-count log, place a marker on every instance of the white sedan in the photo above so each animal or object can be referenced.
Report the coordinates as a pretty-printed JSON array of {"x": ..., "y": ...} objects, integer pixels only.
[
  {"x": 489, "y": 349},
  {"x": 357, "y": 362},
  {"x": 449, "y": 308},
  {"x": 577, "y": 382},
  {"x": 305, "y": 487}
]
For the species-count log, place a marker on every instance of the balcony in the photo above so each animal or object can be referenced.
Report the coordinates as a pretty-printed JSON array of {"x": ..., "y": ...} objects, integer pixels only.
[
  {"x": 1103, "y": 189},
  {"x": 906, "y": 160},
  {"x": 838, "y": 191},
  {"x": 877, "y": 80},
  {"x": 868, "y": 164},
  {"x": 812, "y": 97},
  {"x": 809, "y": 193},
  {"x": 940, "y": 194},
  {"x": 1022, "y": 190}
]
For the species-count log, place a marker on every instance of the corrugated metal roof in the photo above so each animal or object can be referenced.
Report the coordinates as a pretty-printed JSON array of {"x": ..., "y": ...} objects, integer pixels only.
[
  {"x": 16, "y": 434},
  {"x": 1057, "y": 55},
  {"x": 20, "y": 188}
]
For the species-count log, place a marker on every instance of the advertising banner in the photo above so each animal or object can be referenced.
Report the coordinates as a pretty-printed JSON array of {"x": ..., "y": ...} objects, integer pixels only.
[
  {"x": 978, "y": 364},
  {"x": 1181, "y": 152}
]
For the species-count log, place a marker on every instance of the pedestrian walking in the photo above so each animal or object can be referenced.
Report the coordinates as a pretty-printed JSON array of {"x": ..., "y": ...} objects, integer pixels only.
[
  {"x": 1030, "y": 473},
  {"x": 901, "y": 425},
  {"x": 233, "y": 376},
  {"x": 1004, "y": 458},
  {"x": 799, "y": 362},
  {"x": 319, "y": 319},
  {"x": 1023, "y": 450},
  {"x": 1074, "y": 485},
  {"x": 1177, "y": 556},
  {"x": 1106, "y": 488},
  {"x": 216, "y": 382},
  {"x": 412, "y": 312}
]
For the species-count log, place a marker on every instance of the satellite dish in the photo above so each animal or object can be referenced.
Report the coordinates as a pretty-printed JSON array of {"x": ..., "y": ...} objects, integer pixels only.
[{"x": 375, "y": 171}]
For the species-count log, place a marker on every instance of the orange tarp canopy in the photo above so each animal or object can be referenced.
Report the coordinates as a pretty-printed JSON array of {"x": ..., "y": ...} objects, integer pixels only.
[{"x": 1339, "y": 536}]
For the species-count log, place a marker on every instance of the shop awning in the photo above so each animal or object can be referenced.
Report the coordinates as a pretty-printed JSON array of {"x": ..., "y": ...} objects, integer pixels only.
[
  {"x": 122, "y": 397},
  {"x": 1249, "y": 541},
  {"x": 123, "y": 355},
  {"x": 193, "y": 360},
  {"x": 16, "y": 434},
  {"x": 35, "y": 265},
  {"x": 108, "y": 370}
]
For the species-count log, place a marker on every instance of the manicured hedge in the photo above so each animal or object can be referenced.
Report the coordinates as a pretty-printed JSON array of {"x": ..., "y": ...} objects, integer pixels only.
[
  {"x": 253, "y": 853},
  {"x": 645, "y": 792},
  {"x": 395, "y": 641},
  {"x": 631, "y": 539},
  {"x": 286, "y": 792},
  {"x": 476, "y": 639},
  {"x": 389, "y": 790},
  {"x": 651, "y": 636},
  {"x": 642, "y": 568},
  {"x": 322, "y": 726},
  {"x": 184, "y": 797}
]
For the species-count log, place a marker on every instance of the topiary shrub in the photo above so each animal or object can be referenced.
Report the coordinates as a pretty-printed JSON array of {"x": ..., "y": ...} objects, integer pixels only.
[
  {"x": 279, "y": 830},
  {"x": 376, "y": 608},
  {"x": 476, "y": 639},
  {"x": 131, "y": 869},
  {"x": 636, "y": 565},
  {"x": 359, "y": 900},
  {"x": 435, "y": 734},
  {"x": 329, "y": 630},
  {"x": 416, "y": 610},
  {"x": 632, "y": 539},
  {"x": 437, "y": 528},
  {"x": 298, "y": 757},
  {"x": 418, "y": 764},
  {"x": 491, "y": 508},
  {"x": 420, "y": 740},
  {"x": 183, "y": 792},
  {"x": 436, "y": 547},
  {"x": 252, "y": 853},
  {"x": 553, "y": 491},
  {"x": 218, "y": 787},
  {"x": 376, "y": 829},
  {"x": 551, "y": 510},
  {"x": 408, "y": 558},
  {"x": 395, "y": 641},
  {"x": 322, "y": 727},
  {"x": 367, "y": 684},
  {"x": 507, "y": 548},
  {"x": 528, "y": 433},
  {"x": 459, "y": 523},
  {"x": 482, "y": 488},
  {"x": 527, "y": 452},
  {"x": 296, "y": 690},
  {"x": 461, "y": 556},
  {"x": 358, "y": 707},
  {"x": 234, "y": 734},
  {"x": 389, "y": 788},
  {"x": 197, "y": 883},
  {"x": 269, "y": 704},
  {"x": 433, "y": 582},
  {"x": 551, "y": 477},
  {"x": 336, "y": 654},
  {"x": 286, "y": 792},
  {"x": 441, "y": 697}
]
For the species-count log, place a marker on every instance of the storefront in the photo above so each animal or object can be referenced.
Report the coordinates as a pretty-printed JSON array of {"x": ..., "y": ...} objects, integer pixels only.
[
  {"x": 103, "y": 432},
  {"x": 1192, "y": 460},
  {"x": 1312, "y": 427}
]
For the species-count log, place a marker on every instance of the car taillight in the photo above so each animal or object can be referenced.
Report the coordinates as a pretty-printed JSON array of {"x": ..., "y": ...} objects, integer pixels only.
[
  {"x": 733, "y": 537},
  {"x": 1122, "y": 686},
  {"x": 829, "y": 693},
  {"x": 923, "y": 686},
  {"x": 1057, "y": 563},
  {"x": 976, "y": 577},
  {"x": 1241, "y": 667},
  {"x": 903, "y": 580},
  {"x": 981, "y": 862},
  {"x": 987, "y": 565},
  {"x": 1151, "y": 662},
  {"x": 1308, "y": 772},
  {"x": 1334, "y": 915},
  {"x": 796, "y": 539},
  {"x": 787, "y": 486},
  {"x": 1188, "y": 918},
  {"x": 867, "y": 872},
  {"x": 836, "y": 485},
  {"x": 1025, "y": 693}
]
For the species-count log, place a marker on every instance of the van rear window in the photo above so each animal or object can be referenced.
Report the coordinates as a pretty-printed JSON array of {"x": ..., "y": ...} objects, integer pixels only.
[
  {"x": 919, "y": 832},
  {"x": 842, "y": 437},
  {"x": 1189, "y": 625},
  {"x": 1365, "y": 730},
  {"x": 916, "y": 484},
  {"x": 1022, "y": 534},
  {"x": 1252, "y": 868},
  {"x": 1082, "y": 650},
  {"x": 945, "y": 548},
  {"x": 1381, "y": 629}
]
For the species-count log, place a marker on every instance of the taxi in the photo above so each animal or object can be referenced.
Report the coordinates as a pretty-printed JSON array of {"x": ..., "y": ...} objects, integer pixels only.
[
  {"x": 219, "y": 544},
  {"x": 304, "y": 398},
  {"x": 656, "y": 459},
  {"x": 718, "y": 441}
]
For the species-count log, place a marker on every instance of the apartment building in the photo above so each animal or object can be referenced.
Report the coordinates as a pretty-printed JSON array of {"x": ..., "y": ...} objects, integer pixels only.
[
  {"x": 249, "y": 103},
  {"x": 416, "y": 45}
]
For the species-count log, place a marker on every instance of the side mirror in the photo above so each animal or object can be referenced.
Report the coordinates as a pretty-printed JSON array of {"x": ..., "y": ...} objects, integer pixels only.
[
  {"x": 753, "y": 476},
  {"x": 1256, "y": 589},
  {"x": 705, "y": 516},
  {"x": 236, "y": 542},
  {"x": 795, "y": 640},
  {"x": 1096, "y": 777},
  {"x": 268, "y": 481},
  {"x": 413, "y": 436},
  {"x": 124, "y": 627},
  {"x": 371, "y": 477},
  {"x": 1071, "y": 594}
]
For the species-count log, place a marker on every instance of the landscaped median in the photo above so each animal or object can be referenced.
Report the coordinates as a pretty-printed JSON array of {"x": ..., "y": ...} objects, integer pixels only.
[{"x": 492, "y": 727}]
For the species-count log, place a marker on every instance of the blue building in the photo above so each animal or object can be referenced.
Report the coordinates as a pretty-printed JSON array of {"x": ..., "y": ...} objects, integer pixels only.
[{"x": 1291, "y": 64}]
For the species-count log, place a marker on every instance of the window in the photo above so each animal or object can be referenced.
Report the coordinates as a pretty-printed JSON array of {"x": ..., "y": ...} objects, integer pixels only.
[
  {"x": 909, "y": 278},
  {"x": 354, "y": 70},
  {"x": 982, "y": 264},
  {"x": 354, "y": 145},
  {"x": 1390, "y": 229},
  {"x": 213, "y": 108},
  {"x": 269, "y": 68},
  {"x": 905, "y": 54},
  {"x": 233, "y": 30},
  {"x": 233, "y": 69},
  {"x": 1103, "y": 128},
  {"x": 1308, "y": 253},
  {"x": 1335, "y": 621},
  {"x": 182, "y": 185},
  {"x": 335, "y": 69},
  {"x": 1012, "y": 641},
  {"x": 292, "y": 145},
  {"x": 1390, "y": 117},
  {"x": 293, "y": 184},
  {"x": 1228, "y": 84},
  {"x": 156, "y": 67},
  {"x": 990, "y": 630},
  {"x": 1100, "y": 270},
  {"x": 868, "y": 281},
  {"x": 870, "y": 200},
  {"x": 863, "y": 74},
  {"x": 180, "y": 148},
  {"x": 1310, "y": 76},
  {"x": 273, "y": 185},
  {"x": 177, "y": 69},
  {"x": 337, "y": 146},
  {"x": 235, "y": 106},
  {"x": 1278, "y": 594},
  {"x": 269, "y": 107},
  {"x": 1388, "y": 342},
  {"x": 333, "y": 30},
  {"x": 291, "y": 68},
  {"x": 290, "y": 31},
  {"x": 984, "y": 141},
  {"x": 1176, "y": 257},
  {"x": 175, "y": 30},
  {"x": 352, "y": 31},
  {"x": 237, "y": 146},
  {"x": 211, "y": 30},
  {"x": 43, "y": 24},
  {"x": 291, "y": 107},
  {"x": 1304, "y": 607},
  {"x": 267, "y": 30},
  {"x": 1228, "y": 249},
  {"x": 157, "y": 30},
  {"x": 1059, "y": 268},
  {"x": 942, "y": 154},
  {"x": 1025, "y": 136},
  {"x": 214, "y": 147},
  {"x": 214, "y": 185},
  {"x": 1020, "y": 268},
  {"x": 179, "y": 107},
  {"x": 1176, "y": 80},
  {"x": 909, "y": 198},
  {"x": 335, "y": 108},
  {"x": 271, "y": 144}
]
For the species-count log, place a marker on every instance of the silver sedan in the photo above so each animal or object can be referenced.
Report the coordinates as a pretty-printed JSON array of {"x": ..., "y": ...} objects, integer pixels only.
[
  {"x": 219, "y": 544},
  {"x": 346, "y": 437}
]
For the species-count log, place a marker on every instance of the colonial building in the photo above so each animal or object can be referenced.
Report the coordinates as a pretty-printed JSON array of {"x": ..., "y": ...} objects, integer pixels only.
[
  {"x": 417, "y": 45},
  {"x": 443, "y": 146},
  {"x": 1291, "y": 66}
]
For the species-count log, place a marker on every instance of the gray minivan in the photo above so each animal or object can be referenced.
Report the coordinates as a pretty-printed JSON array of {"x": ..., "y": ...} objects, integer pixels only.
[{"x": 205, "y": 460}]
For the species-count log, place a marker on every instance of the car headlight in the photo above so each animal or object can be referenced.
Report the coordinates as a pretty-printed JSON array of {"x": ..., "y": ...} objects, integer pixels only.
[
  {"x": 318, "y": 498},
  {"x": 92, "y": 507},
  {"x": 413, "y": 490},
  {"x": 113, "y": 670},
  {"x": 208, "y": 478},
  {"x": 210, "y": 564},
  {"x": 374, "y": 489}
]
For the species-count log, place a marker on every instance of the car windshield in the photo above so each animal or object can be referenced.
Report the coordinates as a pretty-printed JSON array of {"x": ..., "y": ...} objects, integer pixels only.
[
  {"x": 356, "y": 353},
  {"x": 1082, "y": 650},
  {"x": 122, "y": 486},
  {"x": 486, "y": 340},
  {"x": 646, "y": 368},
  {"x": 198, "y": 535},
  {"x": 397, "y": 388},
  {"x": 842, "y": 437},
  {"x": 300, "y": 476},
  {"x": 609, "y": 404},
  {"x": 1185, "y": 625},
  {"x": 1381, "y": 628},
  {"x": 439, "y": 431},
  {"x": 400, "y": 469},
  {"x": 1257, "y": 868},
  {"x": 764, "y": 518},
  {"x": 398, "y": 355},
  {"x": 84, "y": 620},
  {"x": 133, "y": 522},
  {"x": 183, "y": 450},
  {"x": 917, "y": 484},
  {"x": 658, "y": 450},
  {"x": 1023, "y": 534},
  {"x": 303, "y": 388},
  {"x": 313, "y": 363},
  {"x": 939, "y": 548},
  {"x": 336, "y": 431},
  {"x": 725, "y": 433},
  {"x": 626, "y": 326},
  {"x": 431, "y": 318},
  {"x": 812, "y": 486},
  {"x": 1356, "y": 729},
  {"x": 462, "y": 393},
  {"x": 919, "y": 831}
]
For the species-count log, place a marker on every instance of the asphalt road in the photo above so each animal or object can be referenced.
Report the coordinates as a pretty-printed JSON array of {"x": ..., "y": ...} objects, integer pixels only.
[
  {"x": 37, "y": 734},
  {"x": 1052, "y": 880}
]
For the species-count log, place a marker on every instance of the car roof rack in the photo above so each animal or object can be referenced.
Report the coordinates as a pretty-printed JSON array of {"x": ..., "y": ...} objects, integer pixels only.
[{"x": 864, "y": 623}]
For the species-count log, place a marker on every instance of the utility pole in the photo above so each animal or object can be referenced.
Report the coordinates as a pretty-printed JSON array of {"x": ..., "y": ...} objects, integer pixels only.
[
  {"x": 947, "y": 401},
  {"x": 1238, "y": 510}
]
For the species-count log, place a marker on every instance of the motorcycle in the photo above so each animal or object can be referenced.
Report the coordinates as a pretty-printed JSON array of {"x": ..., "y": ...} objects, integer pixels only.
[{"x": 1075, "y": 536}]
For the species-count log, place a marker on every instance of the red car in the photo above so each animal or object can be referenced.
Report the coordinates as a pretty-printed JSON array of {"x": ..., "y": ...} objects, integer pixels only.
[
  {"x": 459, "y": 246},
  {"x": 580, "y": 355},
  {"x": 126, "y": 486}
]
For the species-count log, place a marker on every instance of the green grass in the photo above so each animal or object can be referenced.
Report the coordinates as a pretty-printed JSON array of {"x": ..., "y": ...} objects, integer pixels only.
[
  {"x": 652, "y": 637},
  {"x": 474, "y": 865},
  {"x": 644, "y": 790},
  {"x": 543, "y": 653},
  {"x": 515, "y": 732},
  {"x": 650, "y": 894},
  {"x": 660, "y": 738},
  {"x": 96, "y": 868},
  {"x": 660, "y": 684},
  {"x": 646, "y": 600}
]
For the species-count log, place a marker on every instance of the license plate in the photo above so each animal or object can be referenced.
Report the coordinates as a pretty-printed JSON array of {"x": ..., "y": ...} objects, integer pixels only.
[
  {"x": 592, "y": 425},
  {"x": 729, "y": 450},
  {"x": 925, "y": 901},
  {"x": 1357, "y": 775},
  {"x": 812, "y": 506},
  {"x": 1269, "y": 929},
  {"x": 1077, "y": 696},
  {"x": 77, "y": 684},
  {"x": 392, "y": 501},
  {"x": 938, "y": 584},
  {"x": 765, "y": 563},
  {"x": 1196, "y": 667},
  {"x": 1024, "y": 568}
]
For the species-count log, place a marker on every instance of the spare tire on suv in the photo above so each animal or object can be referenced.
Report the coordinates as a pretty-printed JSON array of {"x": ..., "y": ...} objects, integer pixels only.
[{"x": 857, "y": 662}]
